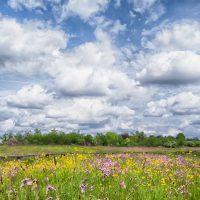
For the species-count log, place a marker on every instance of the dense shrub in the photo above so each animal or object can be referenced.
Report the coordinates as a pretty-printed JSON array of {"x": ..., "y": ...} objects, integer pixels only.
[{"x": 99, "y": 139}]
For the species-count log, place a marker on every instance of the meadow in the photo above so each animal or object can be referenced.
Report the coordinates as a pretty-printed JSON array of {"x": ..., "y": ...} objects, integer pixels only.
[{"x": 90, "y": 173}]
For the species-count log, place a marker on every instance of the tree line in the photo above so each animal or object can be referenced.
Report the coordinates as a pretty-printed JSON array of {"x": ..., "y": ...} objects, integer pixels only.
[{"x": 107, "y": 139}]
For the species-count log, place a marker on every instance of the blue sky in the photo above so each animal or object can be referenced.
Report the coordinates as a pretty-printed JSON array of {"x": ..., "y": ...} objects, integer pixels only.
[{"x": 101, "y": 65}]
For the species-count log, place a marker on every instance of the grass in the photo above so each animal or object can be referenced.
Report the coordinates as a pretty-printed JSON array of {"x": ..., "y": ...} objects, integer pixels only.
[
  {"x": 57, "y": 149},
  {"x": 91, "y": 176}
]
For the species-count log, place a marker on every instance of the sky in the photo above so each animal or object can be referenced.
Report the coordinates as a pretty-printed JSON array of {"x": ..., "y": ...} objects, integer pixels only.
[{"x": 100, "y": 65}]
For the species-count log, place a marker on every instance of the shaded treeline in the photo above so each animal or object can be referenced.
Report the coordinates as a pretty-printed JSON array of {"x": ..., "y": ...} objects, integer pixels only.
[{"x": 99, "y": 139}]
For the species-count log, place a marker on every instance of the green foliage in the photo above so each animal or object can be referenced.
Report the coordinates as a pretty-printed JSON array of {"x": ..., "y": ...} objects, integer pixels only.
[
  {"x": 101, "y": 139},
  {"x": 170, "y": 144},
  {"x": 180, "y": 139},
  {"x": 108, "y": 139},
  {"x": 78, "y": 176},
  {"x": 113, "y": 139}
]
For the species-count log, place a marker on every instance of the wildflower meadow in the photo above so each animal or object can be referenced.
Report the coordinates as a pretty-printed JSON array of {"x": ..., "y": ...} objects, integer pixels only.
[{"x": 90, "y": 176}]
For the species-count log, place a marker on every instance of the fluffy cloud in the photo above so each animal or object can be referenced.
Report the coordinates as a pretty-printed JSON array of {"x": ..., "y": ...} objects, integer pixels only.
[
  {"x": 29, "y": 120},
  {"x": 92, "y": 82},
  {"x": 92, "y": 87},
  {"x": 92, "y": 76},
  {"x": 30, "y": 97},
  {"x": 5, "y": 114},
  {"x": 87, "y": 110},
  {"x": 90, "y": 114},
  {"x": 66, "y": 114},
  {"x": 178, "y": 36},
  {"x": 175, "y": 67},
  {"x": 89, "y": 80},
  {"x": 153, "y": 8},
  {"x": 118, "y": 27},
  {"x": 61, "y": 10},
  {"x": 173, "y": 132},
  {"x": 28, "y": 4},
  {"x": 111, "y": 27},
  {"x": 84, "y": 9},
  {"x": 33, "y": 4},
  {"x": 6, "y": 125},
  {"x": 29, "y": 38},
  {"x": 34, "y": 48},
  {"x": 174, "y": 54},
  {"x": 143, "y": 5},
  {"x": 185, "y": 103},
  {"x": 99, "y": 74},
  {"x": 25, "y": 47}
]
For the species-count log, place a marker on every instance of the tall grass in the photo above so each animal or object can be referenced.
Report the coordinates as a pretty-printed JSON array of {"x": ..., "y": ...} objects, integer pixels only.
[{"x": 89, "y": 176}]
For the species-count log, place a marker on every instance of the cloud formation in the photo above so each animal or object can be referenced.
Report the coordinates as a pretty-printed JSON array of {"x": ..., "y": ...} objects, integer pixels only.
[
  {"x": 25, "y": 47},
  {"x": 185, "y": 103},
  {"x": 84, "y": 91},
  {"x": 29, "y": 97},
  {"x": 153, "y": 8},
  {"x": 172, "y": 54},
  {"x": 84, "y": 9},
  {"x": 28, "y": 4},
  {"x": 172, "y": 68},
  {"x": 177, "y": 36},
  {"x": 94, "y": 65},
  {"x": 33, "y": 107}
]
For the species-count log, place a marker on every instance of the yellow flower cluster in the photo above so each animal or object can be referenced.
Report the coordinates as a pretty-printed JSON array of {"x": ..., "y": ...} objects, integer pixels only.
[{"x": 120, "y": 176}]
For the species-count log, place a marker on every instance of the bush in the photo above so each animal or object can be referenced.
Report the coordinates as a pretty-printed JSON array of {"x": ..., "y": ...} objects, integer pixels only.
[
  {"x": 170, "y": 144},
  {"x": 107, "y": 139}
]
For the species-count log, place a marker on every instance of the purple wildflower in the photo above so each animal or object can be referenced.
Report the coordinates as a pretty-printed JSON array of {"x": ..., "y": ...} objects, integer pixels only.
[
  {"x": 183, "y": 190},
  {"x": 180, "y": 160},
  {"x": 11, "y": 190},
  {"x": 29, "y": 183},
  {"x": 35, "y": 180},
  {"x": 122, "y": 184},
  {"x": 25, "y": 180},
  {"x": 13, "y": 173},
  {"x": 50, "y": 188},
  {"x": 82, "y": 187},
  {"x": 105, "y": 171}
]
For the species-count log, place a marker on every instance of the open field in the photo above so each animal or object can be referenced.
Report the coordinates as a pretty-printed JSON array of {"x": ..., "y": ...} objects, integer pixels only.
[
  {"x": 92, "y": 176},
  {"x": 57, "y": 149},
  {"x": 97, "y": 173}
]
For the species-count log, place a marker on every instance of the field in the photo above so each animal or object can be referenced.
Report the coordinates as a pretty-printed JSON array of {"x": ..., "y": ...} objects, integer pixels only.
[
  {"x": 99, "y": 173},
  {"x": 57, "y": 149}
]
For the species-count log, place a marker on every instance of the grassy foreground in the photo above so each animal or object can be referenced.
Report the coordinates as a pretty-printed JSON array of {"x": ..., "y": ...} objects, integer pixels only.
[
  {"x": 99, "y": 177},
  {"x": 56, "y": 149},
  {"x": 130, "y": 174}
]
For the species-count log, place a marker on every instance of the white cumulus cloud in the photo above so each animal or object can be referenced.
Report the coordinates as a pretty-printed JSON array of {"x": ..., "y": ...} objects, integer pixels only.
[
  {"x": 85, "y": 9},
  {"x": 185, "y": 103},
  {"x": 25, "y": 47},
  {"x": 176, "y": 36},
  {"x": 30, "y": 97},
  {"x": 174, "y": 67}
]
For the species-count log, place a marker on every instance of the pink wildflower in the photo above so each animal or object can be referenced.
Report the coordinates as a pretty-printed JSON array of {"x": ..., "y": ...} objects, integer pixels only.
[
  {"x": 29, "y": 183},
  {"x": 82, "y": 188},
  {"x": 50, "y": 188},
  {"x": 122, "y": 184}
]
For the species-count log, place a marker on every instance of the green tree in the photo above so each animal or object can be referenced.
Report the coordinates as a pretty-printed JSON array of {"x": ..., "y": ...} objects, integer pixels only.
[
  {"x": 180, "y": 139},
  {"x": 112, "y": 138},
  {"x": 100, "y": 139},
  {"x": 89, "y": 140}
]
